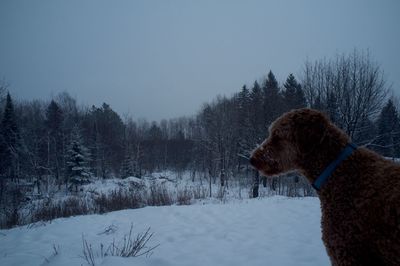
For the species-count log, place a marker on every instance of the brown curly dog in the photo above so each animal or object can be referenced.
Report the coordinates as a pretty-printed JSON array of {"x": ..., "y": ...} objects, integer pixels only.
[{"x": 360, "y": 200}]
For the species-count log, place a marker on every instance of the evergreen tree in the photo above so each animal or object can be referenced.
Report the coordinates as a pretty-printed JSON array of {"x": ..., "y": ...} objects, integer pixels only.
[
  {"x": 272, "y": 101},
  {"x": 54, "y": 120},
  {"x": 127, "y": 168},
  {"x": 256, "y": 115},
  {"x": 10, "y": 142},
  {"x": 271, "y": 84},
  {"x": 106, "y": 132},
  {"x": 243, "y": 102},
  {"x": 244, "y": 134},
  {"x": 77, "y": 160},
  {"x": 366, "y": 133},
  {"x": 250, "y": 123},
  {"x": 293, "y": 94},
  {"x": 388, "y": 143},
  {"x": 2, "y": 97},
  {"x": 155, "y": 132}
]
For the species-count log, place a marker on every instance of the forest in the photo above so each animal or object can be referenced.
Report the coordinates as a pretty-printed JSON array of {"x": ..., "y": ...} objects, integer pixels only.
[{"x": 57, "y": 141}]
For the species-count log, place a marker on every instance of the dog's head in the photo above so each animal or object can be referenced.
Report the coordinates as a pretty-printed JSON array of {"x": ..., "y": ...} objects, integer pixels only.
[{"x": 291, "y": 136}]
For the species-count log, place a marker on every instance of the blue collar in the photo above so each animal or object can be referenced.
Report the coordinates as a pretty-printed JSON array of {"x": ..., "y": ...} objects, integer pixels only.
[{"x": 320, "y": 181}]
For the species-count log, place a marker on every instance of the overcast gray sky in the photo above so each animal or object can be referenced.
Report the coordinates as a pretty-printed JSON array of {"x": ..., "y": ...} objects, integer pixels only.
[{"x": 162, "y": 59}]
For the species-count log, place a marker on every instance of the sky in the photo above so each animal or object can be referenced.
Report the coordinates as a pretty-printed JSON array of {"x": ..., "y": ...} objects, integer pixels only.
[{"x": 164, "y": 59}]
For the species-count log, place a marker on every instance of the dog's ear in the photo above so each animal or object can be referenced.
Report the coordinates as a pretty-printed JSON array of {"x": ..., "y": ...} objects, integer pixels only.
[{"x": 309, "y": 129}]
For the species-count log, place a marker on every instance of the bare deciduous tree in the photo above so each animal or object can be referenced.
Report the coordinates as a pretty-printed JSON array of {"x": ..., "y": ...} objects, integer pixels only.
[{"x": 350, "y": 87}]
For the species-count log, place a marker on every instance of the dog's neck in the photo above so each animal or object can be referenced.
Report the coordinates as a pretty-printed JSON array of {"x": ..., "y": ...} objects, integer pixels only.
[{"x": 313, "y": 164}]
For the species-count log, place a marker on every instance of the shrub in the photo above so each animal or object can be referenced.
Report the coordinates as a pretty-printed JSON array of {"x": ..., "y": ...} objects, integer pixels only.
[
  {"x": 159, "y": 196},
  {"x": 9, "y": 217},
  {"x": 48, "y": 210},
  {"x": 199, "y": 192},
  {"x": 118, "y": 200},
  {"x": 184, "y": 196}
]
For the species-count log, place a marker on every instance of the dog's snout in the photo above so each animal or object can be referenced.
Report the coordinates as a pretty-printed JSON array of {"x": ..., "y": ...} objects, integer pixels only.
[{"x": 255, "y": 162}]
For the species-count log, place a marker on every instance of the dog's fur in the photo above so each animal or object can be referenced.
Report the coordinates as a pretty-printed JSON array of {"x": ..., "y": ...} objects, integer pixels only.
[{"x": 360, "y": 202}]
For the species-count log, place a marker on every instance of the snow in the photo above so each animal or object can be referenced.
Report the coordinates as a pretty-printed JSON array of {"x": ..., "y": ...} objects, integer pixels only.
[{"x": 266, "y": 231}]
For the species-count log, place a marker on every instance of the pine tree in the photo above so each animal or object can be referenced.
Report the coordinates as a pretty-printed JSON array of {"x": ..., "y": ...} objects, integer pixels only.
[
  {"x": 2, "y": 97},
  {"x": 272, "y": 101},
  {"x": 256, "y": 115},
  {"x": 244, "y": 116},
  {"x": 293, "y": 94},
  {"x": 388, "y": 143},
  {"x": 10, "y": 142},
  {"x": 54, "y": 120},
  {"x": 127, "y": 168},
  {"x": 366, "y": 133},
  {"x": 77, "y": 160},
  {"x": 107, "y": 140},
  {"x": 244, "y": 108},
  {"x": 271, "y": 83}
]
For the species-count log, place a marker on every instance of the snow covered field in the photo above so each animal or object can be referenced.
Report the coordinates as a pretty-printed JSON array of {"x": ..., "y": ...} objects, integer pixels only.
[{"x": 265, "y": 231}]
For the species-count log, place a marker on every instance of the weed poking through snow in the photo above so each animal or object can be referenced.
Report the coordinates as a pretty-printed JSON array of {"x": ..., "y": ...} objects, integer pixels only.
[{"x": 130, "y": 246}]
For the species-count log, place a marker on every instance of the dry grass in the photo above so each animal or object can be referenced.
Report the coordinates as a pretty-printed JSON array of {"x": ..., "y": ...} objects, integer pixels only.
[
  {"x": 119, "y": 200},
  {"x": 48, "y": 210},
  {"x": 159, "y": 196},
  {"x": 184, "y": 197},
  {"x": 129, "y": 246}
]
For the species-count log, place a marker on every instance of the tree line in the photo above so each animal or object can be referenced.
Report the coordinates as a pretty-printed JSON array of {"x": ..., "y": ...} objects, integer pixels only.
[{"x": 68, "y": 143}]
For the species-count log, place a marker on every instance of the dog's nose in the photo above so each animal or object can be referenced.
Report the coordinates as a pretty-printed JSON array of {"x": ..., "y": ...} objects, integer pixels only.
[{"x": 253, "y": 161}]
